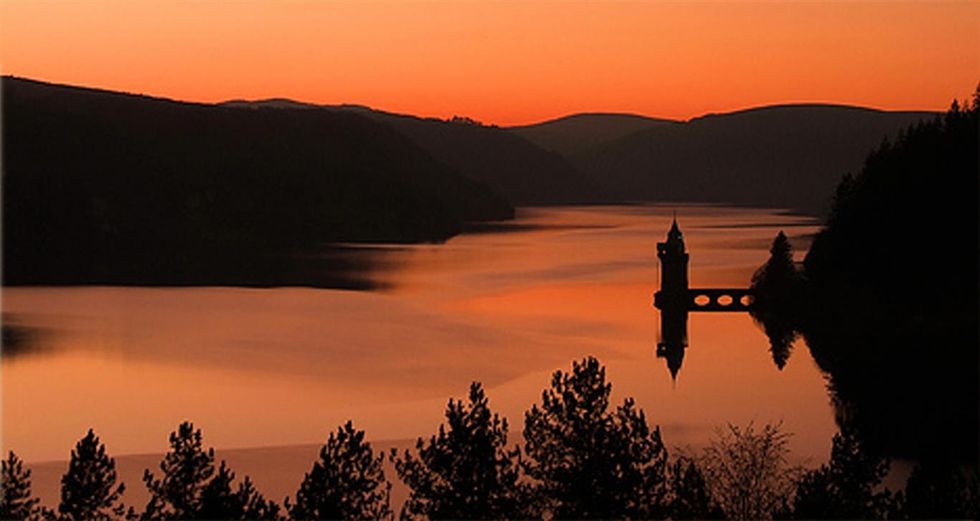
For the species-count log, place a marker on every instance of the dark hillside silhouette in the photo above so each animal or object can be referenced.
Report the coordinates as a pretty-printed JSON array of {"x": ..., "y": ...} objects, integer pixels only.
[
  {"x": 102, "y": 187},
  {"x": 782, "y": 156},
  {"x": 511, "y": 165},
  {"x": 893, "y": 294},
  {"x": 578, "y": 133}
]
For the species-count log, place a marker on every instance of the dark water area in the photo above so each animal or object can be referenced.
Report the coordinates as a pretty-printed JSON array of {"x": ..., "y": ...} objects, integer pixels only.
[{"x": 330, "y": 267}]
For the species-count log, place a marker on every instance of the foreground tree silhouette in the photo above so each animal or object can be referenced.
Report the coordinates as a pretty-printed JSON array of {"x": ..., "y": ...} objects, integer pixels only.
[
  {"x": 15, "y": 490},
  {"x": 466, "y": 472},
  {"x": 587, "y": 461},
  {"x": 941, "y": 491},
  {"x": 690, "y": 498},
  {"x": 902, "y": 358},
  {"x": 187, "y": 469},
  {"x": 846, "y": 487},
  {"x": 346, "y": 483},
  {"x": 219, "y": 501},
  {"x": 190, "y": 489},
  {"x": 775, "y": 287},
  {"x": 747, "y": 472},
  {"x": 88, "y": 489}
]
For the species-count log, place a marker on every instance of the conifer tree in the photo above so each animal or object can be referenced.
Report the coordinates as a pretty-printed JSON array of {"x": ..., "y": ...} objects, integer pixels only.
[
  {"x": 587, "y": 461},
  {"x": 88, "y": 489},
  {"x": 690, "y": 498},
  {"x": 15, "y": 490},
  {"x": 347, "y": 482},
  {"x": 191, "y": 489},
  {"x": 846, "y": 487},
  {"x": 187, "y": 469},
  {"x": 775, "y": 288},
  {"x": 465, "y": 472},
  {"x": 220, "y": 501},
  {"x": 939, "y": 490},
  {"x": 255, "y": 506}
]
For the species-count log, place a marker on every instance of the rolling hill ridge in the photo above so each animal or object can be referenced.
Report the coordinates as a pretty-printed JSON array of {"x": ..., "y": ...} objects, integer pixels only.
[{"x": 104, "y": 187}]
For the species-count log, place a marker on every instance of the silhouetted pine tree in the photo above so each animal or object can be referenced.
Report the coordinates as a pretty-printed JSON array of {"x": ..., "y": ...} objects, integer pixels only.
[
  {"x": 15, "y": 490},
  {"x": 219, "y": 501},
  {"x": 846, "y": 487},
  {"x": 587, "y": 461},
  {"x": 775, "y": 288},
  {"x": 465, "y": 472},
  {"x": 88, "y": 490},
  {"x": 255, "y": 506},
  {"x": 187, "y": 469},
  {"x": 941, "y": 491},
  {"x": 346, "y": 483},
  {"x": 690, "y": 498},
  {"x": 191, "y": 489}
]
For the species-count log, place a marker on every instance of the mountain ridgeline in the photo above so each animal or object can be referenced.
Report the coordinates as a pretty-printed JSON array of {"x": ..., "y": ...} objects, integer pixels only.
[
  {"x": 521, "y": 171},
  {"x": 103, "y": 187},
  {"x": 574, "y": 135},
  {"x": 788, "y": 156}
]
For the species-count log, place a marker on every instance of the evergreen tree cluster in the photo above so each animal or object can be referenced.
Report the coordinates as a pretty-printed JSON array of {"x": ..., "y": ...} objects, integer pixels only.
[
  {"x": 777, "y": 293},
  {"x": 892, "y": 302},
  {"x": 581, "y": 458}
]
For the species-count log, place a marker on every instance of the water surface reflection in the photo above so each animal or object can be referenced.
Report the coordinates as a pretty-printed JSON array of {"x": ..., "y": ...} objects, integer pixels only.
[{"x": 282, "y": 366}]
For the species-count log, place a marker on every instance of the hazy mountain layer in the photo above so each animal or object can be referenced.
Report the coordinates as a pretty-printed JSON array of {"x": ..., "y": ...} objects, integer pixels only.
[
  {"x": 784, "y": 156},
  {"x": 578, "y": 133}
]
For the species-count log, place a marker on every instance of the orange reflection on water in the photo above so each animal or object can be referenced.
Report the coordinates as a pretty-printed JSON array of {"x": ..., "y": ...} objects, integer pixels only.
[{"x": 272, "y": 367}]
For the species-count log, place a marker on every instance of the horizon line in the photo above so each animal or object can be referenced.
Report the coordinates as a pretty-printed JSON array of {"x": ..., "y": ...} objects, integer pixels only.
[{"x": 740, "y": 109}]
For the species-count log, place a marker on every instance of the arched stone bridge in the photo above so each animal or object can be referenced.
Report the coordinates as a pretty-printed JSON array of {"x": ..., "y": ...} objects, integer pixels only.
[{"x": 719, "y": 299}]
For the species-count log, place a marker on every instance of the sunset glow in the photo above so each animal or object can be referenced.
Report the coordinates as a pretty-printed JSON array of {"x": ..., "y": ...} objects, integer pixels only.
[{"x": 506, "y": 63}]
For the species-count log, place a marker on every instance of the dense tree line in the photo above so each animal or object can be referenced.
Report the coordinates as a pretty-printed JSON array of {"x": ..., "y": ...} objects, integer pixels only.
[
  {"x": 887, "y": 297},
  {"x": 580, "y": 458},
  {"x": 892, "y": 301}
]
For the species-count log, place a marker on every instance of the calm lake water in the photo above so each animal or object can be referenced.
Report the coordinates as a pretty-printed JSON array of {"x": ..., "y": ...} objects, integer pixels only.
[{"x": 284, "y": 367}]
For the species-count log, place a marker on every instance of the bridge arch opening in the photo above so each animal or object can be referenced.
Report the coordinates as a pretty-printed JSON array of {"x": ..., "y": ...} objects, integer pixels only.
[
  {"x": 702, "y": 300},
  {"x": 725, "y": 300}
]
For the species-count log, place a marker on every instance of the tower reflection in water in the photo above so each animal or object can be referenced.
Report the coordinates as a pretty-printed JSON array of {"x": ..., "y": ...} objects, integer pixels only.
[
  {"x": 675, "y": 299},
  {"x": 672, "y": 299}
]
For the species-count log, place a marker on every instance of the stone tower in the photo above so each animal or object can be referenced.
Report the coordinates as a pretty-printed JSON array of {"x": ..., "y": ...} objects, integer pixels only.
[{"x": 673, "y": 270}]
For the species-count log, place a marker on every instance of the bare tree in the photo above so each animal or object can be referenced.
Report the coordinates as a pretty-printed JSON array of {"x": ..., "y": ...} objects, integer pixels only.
[{"x": 747, "y": 472}]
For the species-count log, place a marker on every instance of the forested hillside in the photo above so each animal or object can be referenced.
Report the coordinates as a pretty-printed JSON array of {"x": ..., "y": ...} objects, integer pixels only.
[{"x": 103, "y": 187}]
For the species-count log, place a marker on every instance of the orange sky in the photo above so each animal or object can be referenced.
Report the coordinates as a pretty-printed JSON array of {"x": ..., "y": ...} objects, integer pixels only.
[{"x": 506, "y": 62}]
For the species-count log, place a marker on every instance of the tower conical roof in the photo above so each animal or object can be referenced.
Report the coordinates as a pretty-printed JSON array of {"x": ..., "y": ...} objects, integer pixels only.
[{"x": 675, "y": 231}]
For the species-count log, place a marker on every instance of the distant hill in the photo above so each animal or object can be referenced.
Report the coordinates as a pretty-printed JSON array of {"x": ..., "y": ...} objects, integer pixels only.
[
  {"x": 104, "y": 187},
  {"x": 782, "y": 156},
  {"x": 513, "y": 166},
  {"x": 788, "y": 156},
  {"x": 578, "y": 133}
]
